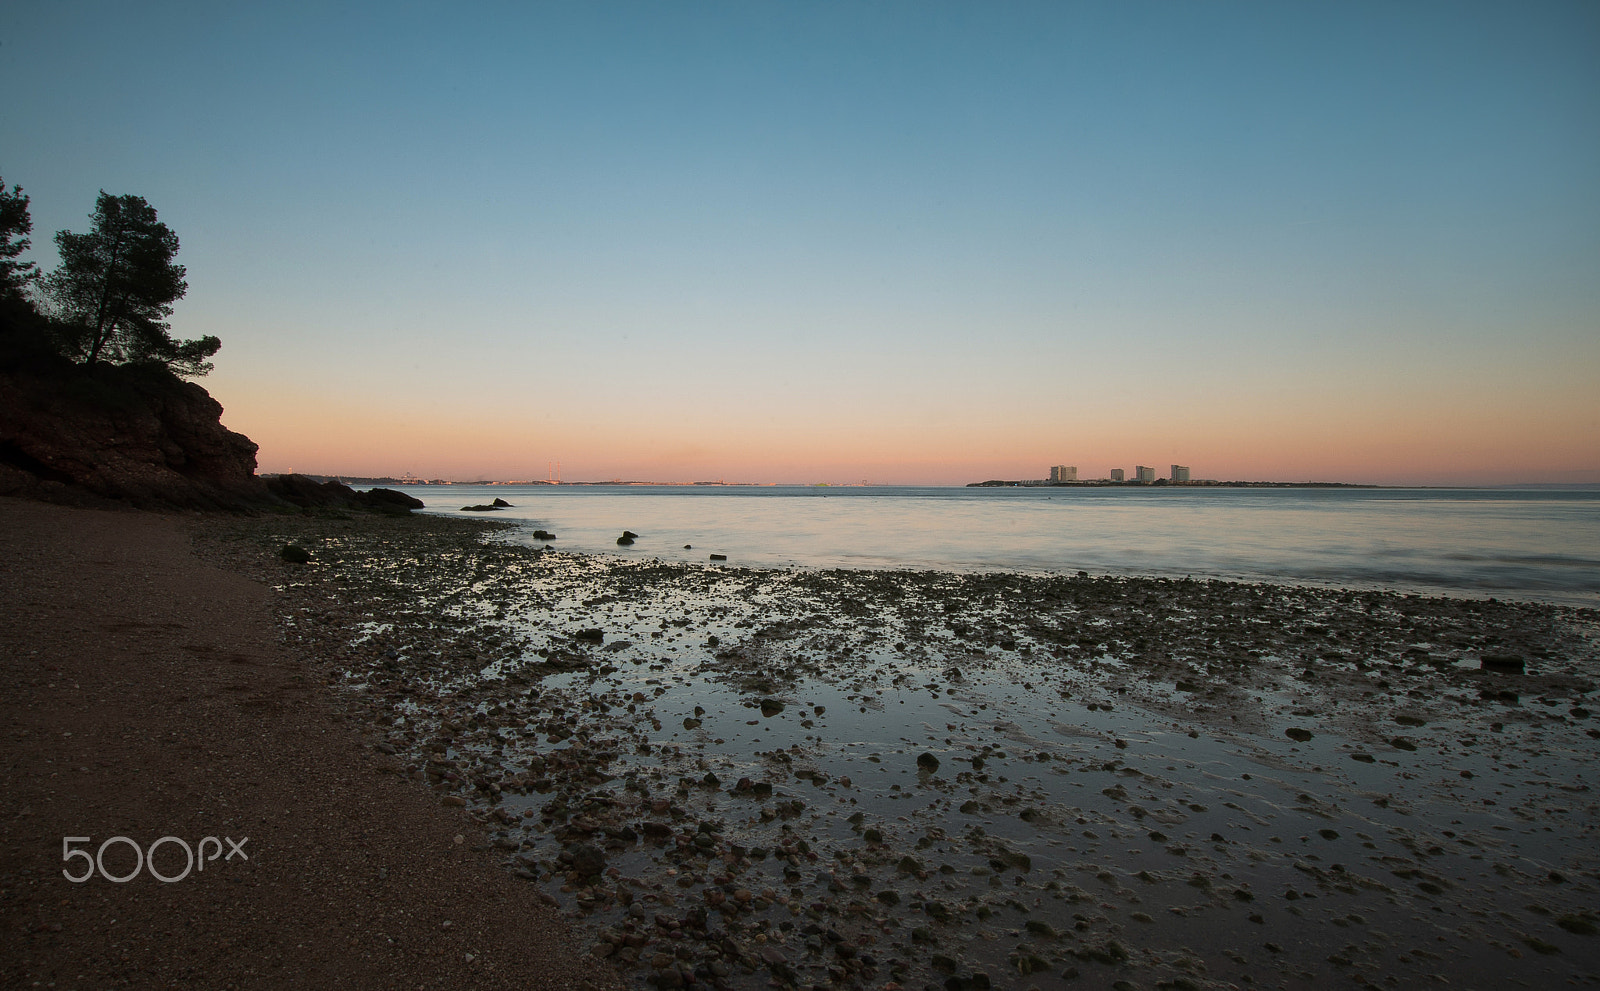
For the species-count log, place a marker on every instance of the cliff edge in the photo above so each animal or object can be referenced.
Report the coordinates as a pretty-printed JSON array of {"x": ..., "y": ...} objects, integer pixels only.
[{"x": 131, "y": 434}]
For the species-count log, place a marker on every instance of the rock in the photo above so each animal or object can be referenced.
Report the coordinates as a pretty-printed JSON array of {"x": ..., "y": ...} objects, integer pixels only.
[
  {"x": 771, "y": 707},
  {"x": 480, "y": 508},
  {"x": 543, "y": 535},
  {"x": 1297, "y": 734},
  {"x": 927, "y": 762},
  {"x": 135, "y": 434},
  {"x": 590, "y": 636},
  {"x": 295, "y": 554},
  {"x": 588, "y": 859},
  {"x": 719, "y": 557},
  {"x": 688, "y": 547},
  {"x": 690, "y": 722},
  {"x": 626, "y": 539},
  {"x": 388, "y": 501},
  {"x": 1401, "y": 743},
  {"x": 1503, "y": 663},
  {"x": 501, "y": 503}
]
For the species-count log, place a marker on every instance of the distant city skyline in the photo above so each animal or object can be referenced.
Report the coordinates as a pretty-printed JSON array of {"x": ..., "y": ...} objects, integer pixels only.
[{"x": 905, "y": 242}]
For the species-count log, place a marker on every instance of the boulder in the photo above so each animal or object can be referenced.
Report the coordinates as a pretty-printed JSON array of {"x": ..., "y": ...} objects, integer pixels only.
[
  {"x": 388, "y": 501},
  {"x": 1503, "y": 663}
]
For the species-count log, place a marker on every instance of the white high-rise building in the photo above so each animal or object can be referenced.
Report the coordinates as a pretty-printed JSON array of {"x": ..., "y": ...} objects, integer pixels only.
[
  {"x": 1180, "y": 473},
  {"x": 1064, "y": 473},
  {"x": 1144, "y": 473}
]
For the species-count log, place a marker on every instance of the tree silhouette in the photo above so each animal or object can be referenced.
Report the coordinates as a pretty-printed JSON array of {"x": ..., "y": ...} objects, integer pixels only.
[
  {"x": 115, "y": 287},
  {"x": 15, "y": 224}
]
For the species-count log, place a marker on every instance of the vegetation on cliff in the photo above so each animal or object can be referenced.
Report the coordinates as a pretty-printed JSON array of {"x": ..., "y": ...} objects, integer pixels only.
[{"x": 110, "y": 297}]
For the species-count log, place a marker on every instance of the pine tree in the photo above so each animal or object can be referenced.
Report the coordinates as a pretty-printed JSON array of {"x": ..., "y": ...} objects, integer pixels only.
[
  {"x": 15, "y": 224},
  {"x": 115, "y": 287}
]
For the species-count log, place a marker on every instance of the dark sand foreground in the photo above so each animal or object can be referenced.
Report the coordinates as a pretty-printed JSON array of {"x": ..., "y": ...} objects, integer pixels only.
[{"x": 144, "y": 694}]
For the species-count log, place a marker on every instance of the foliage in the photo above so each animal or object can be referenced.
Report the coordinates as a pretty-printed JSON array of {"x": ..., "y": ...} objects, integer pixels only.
[
  {"x": 15, "y": 224},
  {"x": 115, "y": 287}
]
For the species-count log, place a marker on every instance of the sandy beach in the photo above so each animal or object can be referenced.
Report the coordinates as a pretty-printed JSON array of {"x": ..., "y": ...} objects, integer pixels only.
[
  {"x": 149, "y": 694},
  {"x": 814, "y": 778}
]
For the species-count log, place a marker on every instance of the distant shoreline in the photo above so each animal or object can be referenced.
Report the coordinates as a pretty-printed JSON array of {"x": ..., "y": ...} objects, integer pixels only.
[
  {"x": 995, "y": 483},
  {"x": 385, "y": 480}
]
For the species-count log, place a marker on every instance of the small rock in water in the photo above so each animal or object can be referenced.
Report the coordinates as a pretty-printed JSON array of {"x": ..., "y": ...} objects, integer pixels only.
[
  {"x": 295, "y": 554},
  {"x": 1504, "y": 663},
  {"x": 771, "y": 707},
  {"x": 1297, "y": 734},
  {"x": 927, "y": 762},
  {"x": 626, "y": 538},
  {"x": 719, "y": 557},
  {"x": 588, "y": 859}
]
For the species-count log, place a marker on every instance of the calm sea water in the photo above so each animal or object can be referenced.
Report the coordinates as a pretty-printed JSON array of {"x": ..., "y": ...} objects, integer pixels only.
[{"x": 1531, "y": 544}]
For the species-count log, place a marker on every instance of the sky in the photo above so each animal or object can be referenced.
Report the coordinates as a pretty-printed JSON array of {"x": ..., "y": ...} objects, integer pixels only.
[{"x": 916, "y": 243}]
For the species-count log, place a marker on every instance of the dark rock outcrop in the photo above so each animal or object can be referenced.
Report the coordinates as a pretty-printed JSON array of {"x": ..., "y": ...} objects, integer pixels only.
[
  {"x": 137, "y": 435},
  {"x": 307, "y": 493},
  {"x": 126, "y": 434}
]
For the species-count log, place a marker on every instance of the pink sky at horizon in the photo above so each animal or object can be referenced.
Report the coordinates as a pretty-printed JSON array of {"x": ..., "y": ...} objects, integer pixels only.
[
  {"x": 917, "y": 243},
  {"x": 336, "y": 437}
]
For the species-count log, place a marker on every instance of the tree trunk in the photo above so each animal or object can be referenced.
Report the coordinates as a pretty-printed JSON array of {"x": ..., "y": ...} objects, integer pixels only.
[{"x": 101, "y": 331}]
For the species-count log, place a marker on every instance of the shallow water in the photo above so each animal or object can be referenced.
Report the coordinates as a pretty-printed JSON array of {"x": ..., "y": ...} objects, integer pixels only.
[
  {"x": 1542, "y": 545},
  {"x": 1117, "y": 794},
  {"x": 1082, "y": 803}
]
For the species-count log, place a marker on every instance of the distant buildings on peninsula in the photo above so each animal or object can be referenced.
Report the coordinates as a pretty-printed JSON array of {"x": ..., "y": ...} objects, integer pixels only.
[
  {"x": 1146, "y": 475},
  {"x": 1142, "y": 475}
]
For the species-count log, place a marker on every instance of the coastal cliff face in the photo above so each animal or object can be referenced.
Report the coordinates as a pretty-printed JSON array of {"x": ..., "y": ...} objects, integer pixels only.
[{"x": 132, "y": 435}]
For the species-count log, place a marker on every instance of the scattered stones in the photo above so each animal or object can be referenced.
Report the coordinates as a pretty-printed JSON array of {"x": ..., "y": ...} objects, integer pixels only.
[{"x": 667, "y": 843}]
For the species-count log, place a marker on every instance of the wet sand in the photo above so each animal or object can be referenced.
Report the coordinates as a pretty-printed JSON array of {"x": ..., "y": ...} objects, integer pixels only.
[
  {"x": 737, "y": 777},
  {"x": 146, "y": 694}
]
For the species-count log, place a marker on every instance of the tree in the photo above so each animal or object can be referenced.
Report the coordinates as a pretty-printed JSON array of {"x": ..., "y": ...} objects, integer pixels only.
[
  {"x": 115, "y": 287},
  {"x": 15, "y": 224}
]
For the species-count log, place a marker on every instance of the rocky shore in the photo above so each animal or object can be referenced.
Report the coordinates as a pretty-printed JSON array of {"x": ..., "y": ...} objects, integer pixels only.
[{"x": 737, "y": 778}]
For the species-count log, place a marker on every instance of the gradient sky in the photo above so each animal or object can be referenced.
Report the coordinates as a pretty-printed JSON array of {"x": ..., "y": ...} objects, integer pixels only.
[{"x": 903, "y": 242}]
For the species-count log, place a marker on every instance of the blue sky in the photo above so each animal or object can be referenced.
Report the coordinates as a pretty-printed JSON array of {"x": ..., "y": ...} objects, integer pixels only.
[{"x": 912, "y": 242}]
